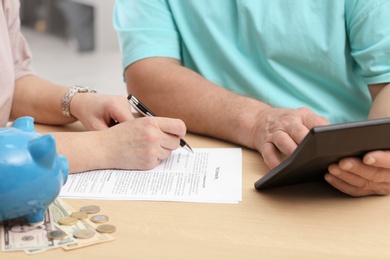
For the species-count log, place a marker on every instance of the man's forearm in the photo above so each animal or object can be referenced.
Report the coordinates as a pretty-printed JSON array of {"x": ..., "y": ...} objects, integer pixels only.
[{"x": 171, "y": 90}]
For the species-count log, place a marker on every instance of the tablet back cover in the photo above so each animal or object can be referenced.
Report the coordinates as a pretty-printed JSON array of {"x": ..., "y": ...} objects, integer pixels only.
[{"x": 325, "y": 145}]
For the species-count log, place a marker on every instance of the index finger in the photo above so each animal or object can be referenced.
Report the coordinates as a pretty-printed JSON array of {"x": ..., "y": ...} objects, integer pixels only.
[
  {"x": 309, "y": 119},
  {"x": 121, "y": 111},
  {"x": 172, "y": 126}
]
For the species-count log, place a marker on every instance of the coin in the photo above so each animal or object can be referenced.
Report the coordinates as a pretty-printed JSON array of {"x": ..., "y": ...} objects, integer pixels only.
[
  {"x": 79, "y": 215},
  {"x": 84, "y": 233},
  {"x": 90, "y": 209},
  {"x": 99, "y": 218},
  {"x": 106, "y": 228},
  {"x": 67, "y": 221},
  {"x": 56, "y": 234}
]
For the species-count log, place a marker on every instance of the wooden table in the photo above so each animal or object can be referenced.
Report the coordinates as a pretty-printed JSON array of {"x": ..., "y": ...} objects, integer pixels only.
[{"x": 308, "y": 221}]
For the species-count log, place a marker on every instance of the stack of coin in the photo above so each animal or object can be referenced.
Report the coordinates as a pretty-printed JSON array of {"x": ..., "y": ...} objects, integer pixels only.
[
  {"x": 67, "y": 221},
  {"x": 56, "y": 234},
  {"x": 83, "y": 214},
  {"x": 79, "y": 215},
  {"x": 106, "y": 228},
  {"x": 84, "y": 233},
  {"x": 98, "y": 219},
  {"x": 90, "y": 209}
]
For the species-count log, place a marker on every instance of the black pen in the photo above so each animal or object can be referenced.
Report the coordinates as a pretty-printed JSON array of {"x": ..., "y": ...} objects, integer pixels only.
[{"x": 147, "y": 112}]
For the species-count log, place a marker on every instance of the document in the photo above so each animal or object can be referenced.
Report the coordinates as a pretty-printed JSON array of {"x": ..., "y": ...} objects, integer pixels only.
[{"x": 208, "y": 175}]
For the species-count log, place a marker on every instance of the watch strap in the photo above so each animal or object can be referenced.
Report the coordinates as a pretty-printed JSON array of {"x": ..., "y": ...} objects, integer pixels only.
[{"x": 67, "y": 98}]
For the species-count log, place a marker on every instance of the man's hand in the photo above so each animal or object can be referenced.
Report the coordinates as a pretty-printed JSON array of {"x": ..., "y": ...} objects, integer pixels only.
[
  {"x": 281, "y": 130},
  {"x": 370, "y": 176},
  {"x": 356, "y": 177}
]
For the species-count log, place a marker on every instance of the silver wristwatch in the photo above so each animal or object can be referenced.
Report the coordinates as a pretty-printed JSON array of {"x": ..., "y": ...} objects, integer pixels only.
[{"x": 65, "y": 102}]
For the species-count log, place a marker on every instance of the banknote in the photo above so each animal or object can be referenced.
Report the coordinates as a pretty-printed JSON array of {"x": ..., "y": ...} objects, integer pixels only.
[
  {"x": 61, "y": 209},
  {"x": 17, "y": 234}
]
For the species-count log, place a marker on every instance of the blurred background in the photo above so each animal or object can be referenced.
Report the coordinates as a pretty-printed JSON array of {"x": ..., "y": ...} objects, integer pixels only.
[{"x": 74, "y": 42}]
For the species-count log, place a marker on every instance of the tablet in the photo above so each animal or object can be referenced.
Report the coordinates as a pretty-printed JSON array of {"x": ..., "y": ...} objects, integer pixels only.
[{"x": 325, "y": 145}]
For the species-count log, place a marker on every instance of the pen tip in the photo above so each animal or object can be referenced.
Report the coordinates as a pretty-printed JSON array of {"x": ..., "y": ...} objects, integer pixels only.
[{"x": 188, "y": 148}]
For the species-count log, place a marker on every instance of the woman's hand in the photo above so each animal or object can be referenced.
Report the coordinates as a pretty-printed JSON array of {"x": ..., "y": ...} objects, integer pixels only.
[
  {"x": 99, "y": 111},
  {"x": 140, "y": 143}
]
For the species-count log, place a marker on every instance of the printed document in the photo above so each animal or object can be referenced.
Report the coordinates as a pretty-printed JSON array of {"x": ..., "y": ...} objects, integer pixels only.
[{"x": 207, "y": 175}]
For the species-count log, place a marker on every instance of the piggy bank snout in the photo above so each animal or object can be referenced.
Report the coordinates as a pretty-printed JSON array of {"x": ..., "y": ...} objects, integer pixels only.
[{"x": 65, "y": 168}]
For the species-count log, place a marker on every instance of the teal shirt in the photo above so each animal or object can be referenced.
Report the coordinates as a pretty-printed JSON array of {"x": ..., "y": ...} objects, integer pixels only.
[{"x": 287, "y": 53}]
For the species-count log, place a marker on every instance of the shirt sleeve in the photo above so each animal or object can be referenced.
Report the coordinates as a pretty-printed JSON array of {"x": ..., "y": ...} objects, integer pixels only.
[
  {"x": 22, "y": 58},
  {"x": 145, "y": 29},
  {"x": 369, "y": 35},
  {"x": 20, "y": 51}
]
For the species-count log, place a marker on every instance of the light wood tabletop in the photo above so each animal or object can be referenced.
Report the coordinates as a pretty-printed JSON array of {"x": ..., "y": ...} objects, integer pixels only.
[{"x": 306, "y": 221}]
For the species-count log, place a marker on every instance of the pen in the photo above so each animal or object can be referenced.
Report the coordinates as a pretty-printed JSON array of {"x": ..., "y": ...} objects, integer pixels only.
[{"x": 147, "y": 112}]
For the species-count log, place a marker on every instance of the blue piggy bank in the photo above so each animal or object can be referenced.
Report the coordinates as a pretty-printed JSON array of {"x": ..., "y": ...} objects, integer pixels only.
[{"x": 31, "y": 172}]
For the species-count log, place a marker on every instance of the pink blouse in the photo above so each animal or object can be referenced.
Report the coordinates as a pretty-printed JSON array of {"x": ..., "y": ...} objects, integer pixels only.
[{"x": 15, "y": 55}]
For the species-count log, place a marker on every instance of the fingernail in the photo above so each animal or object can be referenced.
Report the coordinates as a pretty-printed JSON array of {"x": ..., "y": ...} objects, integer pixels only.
[
  {"x": 370, "y": 160},
  {"x": 328, "y": 178},
  {"x": 335, "y": 172},
  {"x": 346, "y": 165}
]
